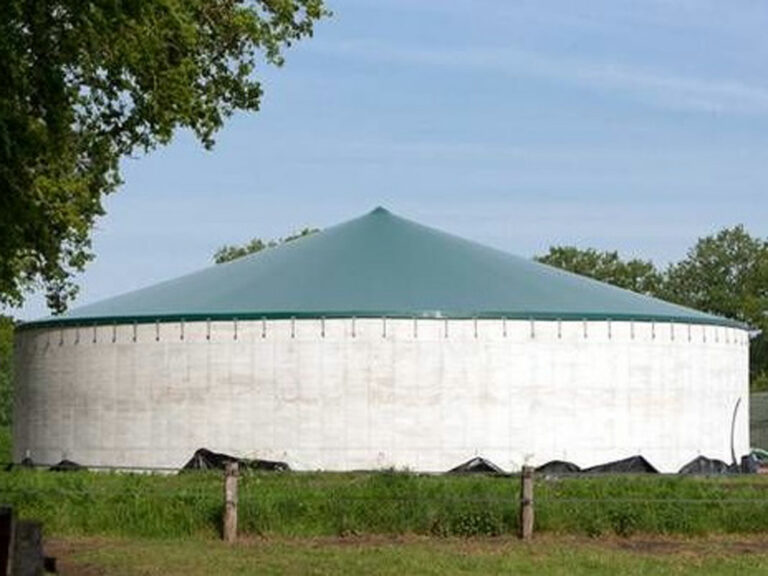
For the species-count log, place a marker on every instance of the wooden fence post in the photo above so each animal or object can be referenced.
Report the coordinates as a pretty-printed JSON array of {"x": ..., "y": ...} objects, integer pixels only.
[
  {"x": 230, "y": 502},
  {"x": 6, "y": 539},
  {"x": 27, "y": 556},
  {"x": 526, "y": 503}
]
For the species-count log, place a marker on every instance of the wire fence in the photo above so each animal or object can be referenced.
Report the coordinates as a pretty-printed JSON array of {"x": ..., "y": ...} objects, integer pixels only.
[{"x": 162, "y": 501}]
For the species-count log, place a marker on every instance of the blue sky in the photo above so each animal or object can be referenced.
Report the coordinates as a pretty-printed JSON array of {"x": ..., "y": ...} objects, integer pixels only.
[{"x": 628, "y": 125}]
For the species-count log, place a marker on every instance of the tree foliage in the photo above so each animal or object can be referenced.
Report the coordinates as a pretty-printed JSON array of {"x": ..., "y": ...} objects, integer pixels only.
[
  {"x": 726, "y": 274},
  {"x": 83, "y": 84},
  {"x": 636, "y": 275},
  {"x": 228, "y": 253},
  {"x": 6, "y": 370}
]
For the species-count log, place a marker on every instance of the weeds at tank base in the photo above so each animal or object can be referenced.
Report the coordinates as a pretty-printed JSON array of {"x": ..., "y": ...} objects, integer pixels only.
[{"x": 291, "y": 504}]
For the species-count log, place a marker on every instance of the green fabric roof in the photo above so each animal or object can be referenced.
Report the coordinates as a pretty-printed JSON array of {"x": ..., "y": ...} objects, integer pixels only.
[{"x": 381, "y": 265}]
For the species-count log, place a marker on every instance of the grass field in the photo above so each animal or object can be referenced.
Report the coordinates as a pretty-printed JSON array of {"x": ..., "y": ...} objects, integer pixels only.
[
  {"x": 412, "y": 555},
  {"x": 325, "y": 504}
]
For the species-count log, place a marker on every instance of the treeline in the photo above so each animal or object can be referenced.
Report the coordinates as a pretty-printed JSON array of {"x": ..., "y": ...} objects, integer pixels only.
[{"x": 725, "y": 274}]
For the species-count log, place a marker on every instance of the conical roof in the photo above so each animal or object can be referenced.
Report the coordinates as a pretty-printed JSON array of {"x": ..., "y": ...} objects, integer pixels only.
[{"x": 382, "y": 265}]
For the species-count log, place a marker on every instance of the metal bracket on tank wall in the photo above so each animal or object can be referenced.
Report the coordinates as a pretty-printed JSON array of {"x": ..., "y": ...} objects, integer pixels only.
[
  {"x": 610, "y": 330},
  {"x": 533, "y": 328},
  {"x": 207, "y": 328},
  {"x": 504, "y": 326}
]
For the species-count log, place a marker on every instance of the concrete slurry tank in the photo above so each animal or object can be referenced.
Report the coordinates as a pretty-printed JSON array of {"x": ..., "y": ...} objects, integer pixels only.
[{"x": 381, "y": 343}]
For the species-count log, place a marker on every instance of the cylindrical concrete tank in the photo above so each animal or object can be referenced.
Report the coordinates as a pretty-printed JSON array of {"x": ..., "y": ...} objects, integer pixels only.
[{"x": 382, "y": 343}]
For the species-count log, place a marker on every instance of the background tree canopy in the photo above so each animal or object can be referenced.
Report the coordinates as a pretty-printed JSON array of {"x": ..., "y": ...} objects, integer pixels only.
[
  {"x": 228, "y": 253},
  {"x": 636, "y": 275},
  {"x": 86, "y": 83}
]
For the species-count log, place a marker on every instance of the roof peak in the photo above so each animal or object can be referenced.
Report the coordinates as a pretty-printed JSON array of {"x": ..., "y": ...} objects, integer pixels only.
[{"x": 376, "y": 265}]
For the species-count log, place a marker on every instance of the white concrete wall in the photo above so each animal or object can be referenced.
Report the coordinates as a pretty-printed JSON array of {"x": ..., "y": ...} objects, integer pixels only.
[{"x": 371, "y": 393}]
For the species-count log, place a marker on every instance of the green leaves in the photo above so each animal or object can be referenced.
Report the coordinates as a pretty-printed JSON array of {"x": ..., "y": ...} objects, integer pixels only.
[
  {"x": 636, "y": 275},
  {"x": 726, "y": 273},
  {"x": 87, "y": 83},
  {"x": 6, "y": 370},
  {"x": 228, "y": 253}
]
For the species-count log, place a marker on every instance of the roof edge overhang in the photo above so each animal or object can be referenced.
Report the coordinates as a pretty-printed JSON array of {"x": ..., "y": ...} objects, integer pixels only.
[{"x": 348, "y": 314}]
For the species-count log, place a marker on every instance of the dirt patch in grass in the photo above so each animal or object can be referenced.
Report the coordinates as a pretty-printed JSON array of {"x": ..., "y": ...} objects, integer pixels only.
[
  {"x": 640, "y": 544},
  {"x": 711, "y": 545},
  {"x": 64, "y": 550},
  {"x": 411, "y": 553}
]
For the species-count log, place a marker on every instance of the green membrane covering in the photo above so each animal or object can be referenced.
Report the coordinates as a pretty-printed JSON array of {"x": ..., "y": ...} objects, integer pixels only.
[{"x": 381, "y": 265}]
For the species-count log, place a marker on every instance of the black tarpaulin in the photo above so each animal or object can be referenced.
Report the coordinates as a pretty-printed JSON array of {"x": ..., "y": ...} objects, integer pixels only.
[
  {"x": 704, "y": 465},
  {"x": 558, "y": 467},
  {"x": 66, "y": 466},
  {"x": 476, "y": 465},
  {"x": 631, "y": 465},
  {"x": 204, "y": 459}
]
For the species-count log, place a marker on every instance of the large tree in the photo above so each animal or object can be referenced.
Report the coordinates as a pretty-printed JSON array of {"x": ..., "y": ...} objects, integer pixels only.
[
  {"x": 83, "y": 84},
  {"x": 637, "y": 275}
]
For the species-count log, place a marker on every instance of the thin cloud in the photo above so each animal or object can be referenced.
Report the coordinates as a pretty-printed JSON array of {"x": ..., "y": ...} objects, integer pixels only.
[{"x": 652, "y": 87}]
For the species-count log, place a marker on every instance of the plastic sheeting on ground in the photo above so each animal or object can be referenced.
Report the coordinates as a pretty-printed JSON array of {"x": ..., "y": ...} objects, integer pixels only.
[
  {"x": 631, "y": 465},
  {"x": 704, "y": 465},
  {"x": 558, "y": 467},
  {"x": 749, "y": 464},
  {"x": 476, "y": 465},
  {"x": 204, "y": 459},
  {"x": 66, "y": 466}
]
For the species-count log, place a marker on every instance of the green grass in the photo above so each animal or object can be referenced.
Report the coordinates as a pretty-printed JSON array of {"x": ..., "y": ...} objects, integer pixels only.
[
  {"x": 431, "y": 556},
  {"x": 326, "y": 504}
]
